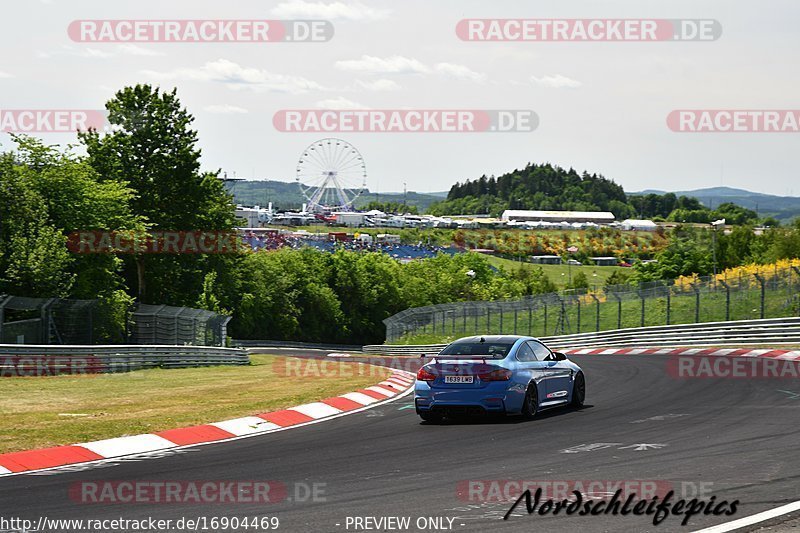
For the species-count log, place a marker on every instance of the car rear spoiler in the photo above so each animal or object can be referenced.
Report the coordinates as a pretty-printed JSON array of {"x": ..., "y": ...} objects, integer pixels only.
[{"x": 433, "y": 357}]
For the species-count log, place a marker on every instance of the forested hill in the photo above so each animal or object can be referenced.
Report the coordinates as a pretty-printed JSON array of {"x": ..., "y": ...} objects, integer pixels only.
[
  {"x": 547, "y": 187},
  {"x": 544, "y": 187}
]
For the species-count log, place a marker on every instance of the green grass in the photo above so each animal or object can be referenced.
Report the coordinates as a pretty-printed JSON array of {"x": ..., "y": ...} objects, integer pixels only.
[
  {"x": 559, "y": 274},
  {"x": 583, "y": 318},
  {"x": 50, "y": 411}
]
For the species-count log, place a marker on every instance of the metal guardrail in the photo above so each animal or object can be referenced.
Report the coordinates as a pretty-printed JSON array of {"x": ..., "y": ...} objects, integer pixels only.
[
  {"x": 775, "y": 331},
  {"x": 45, "y": 360},
  {"x": 254, "y": 344}
]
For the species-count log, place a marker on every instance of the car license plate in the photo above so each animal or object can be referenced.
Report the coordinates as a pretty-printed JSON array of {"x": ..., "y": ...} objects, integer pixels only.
[{"x": 458, "y": 379}]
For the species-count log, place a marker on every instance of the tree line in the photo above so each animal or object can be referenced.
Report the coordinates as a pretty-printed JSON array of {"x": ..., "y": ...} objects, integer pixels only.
[{"x": 548, "y": 187}]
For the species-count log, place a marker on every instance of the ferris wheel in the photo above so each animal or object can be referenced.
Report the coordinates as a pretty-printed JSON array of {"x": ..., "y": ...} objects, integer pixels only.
[{"x": 331, "y": 174}]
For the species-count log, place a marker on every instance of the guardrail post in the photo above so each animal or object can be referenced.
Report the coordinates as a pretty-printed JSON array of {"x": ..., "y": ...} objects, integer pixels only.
[
  {"x": 488, "y": 320},
  {"x": 464, "y": 317},
  {"x": 641, "y": 297},
  {"x": 501, "y": 319},
  {"x": 530, "y": 319},
  {"x": 545, "y": 319},
  {"x": 727, "y": 299},
  {"x": 619, "y": 309},
  {"x": 669, "y": 304},
  {"x": 597, "y": 306},
  {"x": 696, "y": 303},
  {"x": 579, "y": 316},
  {"x": 515, "y": 320},
  {"x": 433, "y": 322},
  {"x": 46, "y": 318},
  {"x": 454, "y": 322},
  {"x": 477, "y": 327},
  {"x": 761, "y": 282},
  {"x": 796, "y": 271},
  {"x": 3, "y": 301}
]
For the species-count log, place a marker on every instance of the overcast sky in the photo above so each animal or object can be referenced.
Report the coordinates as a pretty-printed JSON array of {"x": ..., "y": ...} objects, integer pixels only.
[{"x": 602, "y": 106}]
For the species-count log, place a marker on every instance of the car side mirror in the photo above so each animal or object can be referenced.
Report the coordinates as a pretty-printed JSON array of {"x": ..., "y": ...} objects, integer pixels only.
[{"x": 560, "y": 356}]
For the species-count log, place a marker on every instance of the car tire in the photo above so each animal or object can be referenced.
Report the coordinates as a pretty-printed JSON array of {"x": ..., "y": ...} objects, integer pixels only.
[
  {"x": 433, "y": 418},
  {"x": 579, "y": 390},
  {"x": 530, "y": 405}
]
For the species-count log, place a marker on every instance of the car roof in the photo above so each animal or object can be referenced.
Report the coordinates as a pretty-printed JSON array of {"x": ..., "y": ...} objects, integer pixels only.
[{"x": 501, "y": 339}]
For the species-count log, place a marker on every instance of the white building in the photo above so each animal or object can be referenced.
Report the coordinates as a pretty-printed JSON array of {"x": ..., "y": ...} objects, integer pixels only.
[
  {"x": 639, "y": 225},
  {"x": 596, "y": 217},
  {"x": 349, "y": 218}
]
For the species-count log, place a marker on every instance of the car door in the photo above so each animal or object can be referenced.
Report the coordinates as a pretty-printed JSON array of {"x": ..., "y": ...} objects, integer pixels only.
[
  {"x": 557, "y": 375},
  {"x": 534, "y": 367}
]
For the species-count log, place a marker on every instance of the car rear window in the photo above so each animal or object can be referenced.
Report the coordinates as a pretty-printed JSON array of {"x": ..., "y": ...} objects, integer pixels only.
[{"x": 490, "y": 349}]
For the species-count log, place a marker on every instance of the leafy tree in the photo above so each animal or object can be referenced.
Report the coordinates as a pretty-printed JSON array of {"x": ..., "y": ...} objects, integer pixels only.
[
  {"x": 618, "y": 277},
  {"x": 735, "y": 214},
  {"x": 579, "y": 281},
  {"x": 153, "y": 149}
]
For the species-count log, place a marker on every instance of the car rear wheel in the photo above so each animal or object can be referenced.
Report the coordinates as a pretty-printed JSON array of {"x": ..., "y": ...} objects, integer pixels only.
[
  {"x": 530, "y": 405},
  {"x": 579, "y": 390},
  {"x": 434, "y": 418}
]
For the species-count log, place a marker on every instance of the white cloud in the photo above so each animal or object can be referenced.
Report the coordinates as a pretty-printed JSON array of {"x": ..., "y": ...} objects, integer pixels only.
[
  {"x": 556, "y": 81},
  {"x": 5, "y": 75},
  {"x": 334, "y": 10},
  {"x": 89, "y": 53},
  {"x": 460, "y": 72},
  {"x": 237, "y": 77},
  {"x": 388, "y": 65},
  {"x": 382, "y": 84},
  {"x": 225, "y": 109},
  {"x": 339, "y": 103},
  {"x": 134, "y": 50}
]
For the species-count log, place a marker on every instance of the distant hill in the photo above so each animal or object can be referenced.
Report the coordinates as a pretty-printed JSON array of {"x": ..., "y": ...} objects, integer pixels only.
[
  {"x": 287, "y": 196},
  {"x": 783, "y": 208}
]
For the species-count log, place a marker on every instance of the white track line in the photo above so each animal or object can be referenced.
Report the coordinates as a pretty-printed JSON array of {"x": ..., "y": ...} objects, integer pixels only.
[
  {"x": 133, "y": 444},
  {"x": 754, "y": 519},
  {"x": 360, "y": 397},
  {"x": 245, "y": 425}
]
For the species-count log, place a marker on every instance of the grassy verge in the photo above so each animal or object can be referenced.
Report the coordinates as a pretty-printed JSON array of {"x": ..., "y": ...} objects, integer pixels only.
[
  {"x": 50, "y": 411},
  {"x": 559, "y": 274}
]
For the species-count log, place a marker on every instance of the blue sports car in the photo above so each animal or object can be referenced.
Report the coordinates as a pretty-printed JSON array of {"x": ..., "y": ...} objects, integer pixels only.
[{"x": 500, "y": 374}]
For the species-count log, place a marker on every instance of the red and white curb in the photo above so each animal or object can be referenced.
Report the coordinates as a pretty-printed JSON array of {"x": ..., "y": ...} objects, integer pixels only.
[
  {"x": 399, "y": 384},
  {"x": 730, "y": 352}
]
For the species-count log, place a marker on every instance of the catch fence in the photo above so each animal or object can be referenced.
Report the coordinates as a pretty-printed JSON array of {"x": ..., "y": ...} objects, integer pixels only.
[
  {"x": 770, "y": 293},
  {"x": 26, "y": 320}
]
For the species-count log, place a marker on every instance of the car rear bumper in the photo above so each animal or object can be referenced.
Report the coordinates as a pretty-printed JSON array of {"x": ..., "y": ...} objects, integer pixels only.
[
  {"x": 495, "y": 397},
  {"x": 461, "y": 403}
]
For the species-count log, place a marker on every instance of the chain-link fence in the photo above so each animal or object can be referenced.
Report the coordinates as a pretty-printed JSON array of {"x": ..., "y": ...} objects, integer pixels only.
[
  {"x": 162, "y": 324},
  {"x": 59, "y": 321},
  {"x": 771, "y": 293}
]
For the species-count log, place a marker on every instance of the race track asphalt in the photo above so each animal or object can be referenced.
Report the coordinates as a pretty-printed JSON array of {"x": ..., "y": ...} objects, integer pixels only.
[{"x": 730, "y": 438}]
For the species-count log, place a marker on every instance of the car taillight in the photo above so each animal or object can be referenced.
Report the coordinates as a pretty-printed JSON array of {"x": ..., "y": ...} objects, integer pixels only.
[
  {"x": 501, "y": 374},
  {"x": 425, "y": 375}
]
